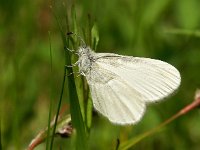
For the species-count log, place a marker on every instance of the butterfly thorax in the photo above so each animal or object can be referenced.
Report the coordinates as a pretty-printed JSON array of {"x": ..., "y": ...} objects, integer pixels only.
[{"x": 86, "y": 58}]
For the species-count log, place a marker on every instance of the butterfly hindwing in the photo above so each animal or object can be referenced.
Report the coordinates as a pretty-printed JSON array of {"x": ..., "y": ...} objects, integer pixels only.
[{"x": 115, "y": 99}]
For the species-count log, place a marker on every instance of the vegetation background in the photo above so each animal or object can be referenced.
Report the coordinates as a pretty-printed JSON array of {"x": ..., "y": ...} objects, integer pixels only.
[{"x": 167, "y": 30}]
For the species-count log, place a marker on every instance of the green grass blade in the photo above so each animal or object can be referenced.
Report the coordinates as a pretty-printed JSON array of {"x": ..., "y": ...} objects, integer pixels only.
[
  {"x": 75, "y": 108},
  {"x": 195, "y": 33},
  {"x": 95, "y": 37},
  {"x": 78, "y": 81},
  {"x": 51, "y": 99},
  {"x": 61, "y": 95},
  {"x": 77, "y": 119},
  {"x": 89, "y": 109},
  {"x": 58, "y": 108}
]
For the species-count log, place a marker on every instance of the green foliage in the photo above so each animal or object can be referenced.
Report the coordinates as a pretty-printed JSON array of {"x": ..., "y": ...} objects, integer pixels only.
[{"x": 166, "y": 30}]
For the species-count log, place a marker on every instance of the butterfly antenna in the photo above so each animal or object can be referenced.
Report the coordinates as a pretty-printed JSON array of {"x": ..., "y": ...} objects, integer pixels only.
[{"x": 80, "y": 38}]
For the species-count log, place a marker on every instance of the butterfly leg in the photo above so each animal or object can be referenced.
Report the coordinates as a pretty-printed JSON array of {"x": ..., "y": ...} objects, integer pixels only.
[
  {"x": 78, "y": 74},
  {"x": 71, "y": 50},
  {"x": 73, "y": 65},
  {"x": 70, "y": 66},
  {"x": 67, "y": 49}
]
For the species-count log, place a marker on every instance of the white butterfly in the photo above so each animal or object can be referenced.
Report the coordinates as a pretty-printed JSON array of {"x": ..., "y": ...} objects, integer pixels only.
[{"x": 122, "y": 85}]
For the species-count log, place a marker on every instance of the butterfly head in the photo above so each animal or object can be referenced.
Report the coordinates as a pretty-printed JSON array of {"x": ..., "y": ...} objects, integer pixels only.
[{"x": 84, "y": 51}]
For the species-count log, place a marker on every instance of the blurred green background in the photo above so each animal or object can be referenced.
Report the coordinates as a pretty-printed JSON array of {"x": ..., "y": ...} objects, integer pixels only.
[{"x": 166, "y": 30}]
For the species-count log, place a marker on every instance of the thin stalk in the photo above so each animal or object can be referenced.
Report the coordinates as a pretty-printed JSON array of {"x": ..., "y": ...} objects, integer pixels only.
[
  {"x": 186, "y": 109},
  {"x": 58, "y": 108},
  {"x": 51, "y": 98}
]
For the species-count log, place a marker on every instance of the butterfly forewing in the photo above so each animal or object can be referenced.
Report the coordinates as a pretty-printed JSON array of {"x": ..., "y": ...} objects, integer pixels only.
[{"x": 152, "y": 79}]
